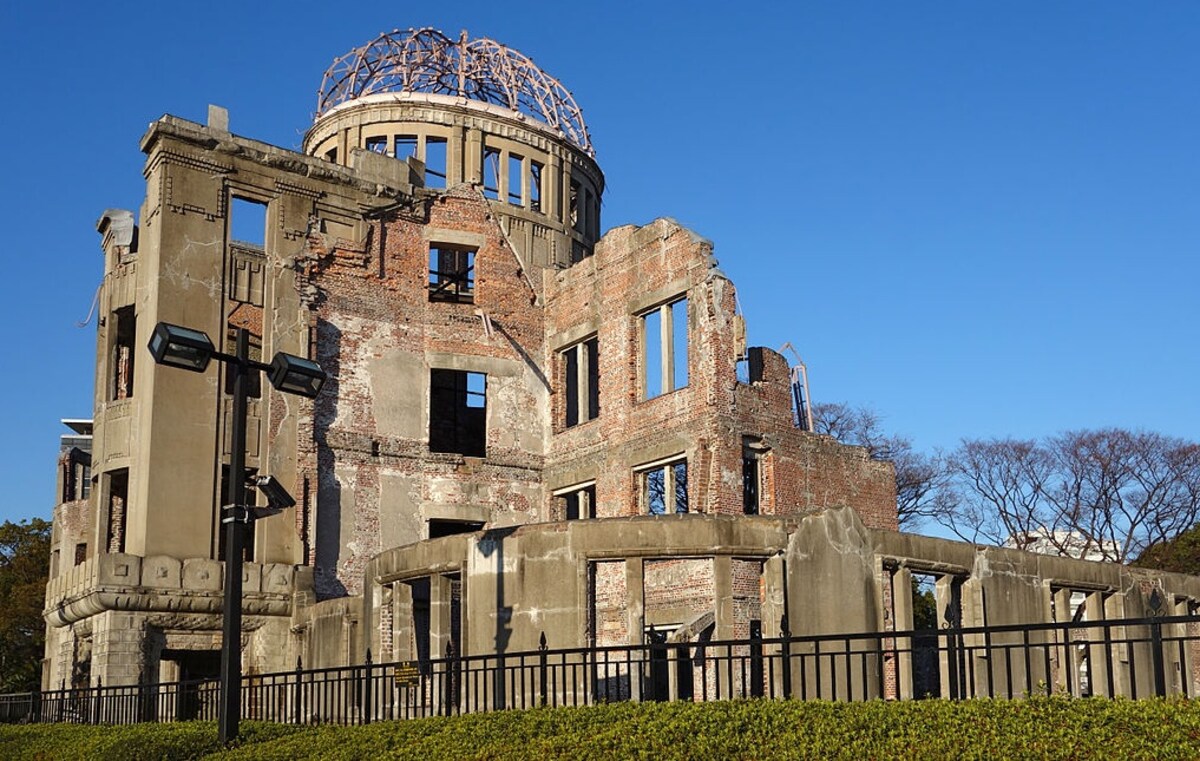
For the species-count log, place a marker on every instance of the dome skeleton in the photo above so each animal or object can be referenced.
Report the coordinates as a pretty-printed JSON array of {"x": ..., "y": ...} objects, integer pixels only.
[{"x": 427, "y": 61}]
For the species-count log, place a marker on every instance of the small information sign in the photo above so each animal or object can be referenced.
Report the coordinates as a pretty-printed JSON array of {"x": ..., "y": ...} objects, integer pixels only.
[{"x": 406, "y": 672}]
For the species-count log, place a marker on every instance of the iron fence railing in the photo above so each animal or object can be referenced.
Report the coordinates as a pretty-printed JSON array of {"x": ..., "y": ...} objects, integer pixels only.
[{"x": 1132, "y": 658}]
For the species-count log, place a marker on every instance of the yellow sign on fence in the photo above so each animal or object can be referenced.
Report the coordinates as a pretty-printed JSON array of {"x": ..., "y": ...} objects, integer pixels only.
[{"x": 406, "y": 672}]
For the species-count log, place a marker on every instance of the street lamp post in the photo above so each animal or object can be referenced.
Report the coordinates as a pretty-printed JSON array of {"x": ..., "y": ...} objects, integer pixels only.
[{"x": 192, "y": 350}]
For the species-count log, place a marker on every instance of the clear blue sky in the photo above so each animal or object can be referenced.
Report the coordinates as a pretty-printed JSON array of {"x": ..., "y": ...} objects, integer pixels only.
[{"x": 980, "y": 221}]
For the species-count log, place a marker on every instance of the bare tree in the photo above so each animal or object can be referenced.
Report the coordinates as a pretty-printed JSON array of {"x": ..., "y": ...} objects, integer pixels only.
[
  {"x": 996, "y": 492},
  {"x": 919, "y": 477},
  {"x": 1105, "y": 494}
]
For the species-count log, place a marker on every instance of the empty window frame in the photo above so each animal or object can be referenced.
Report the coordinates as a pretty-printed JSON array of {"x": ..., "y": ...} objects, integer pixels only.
[
  {"x": 451, "y": 274},
  {"x": 80, "y": 552},
  {"x": 443, "y": 527},
  {"x": 664, "y": 349},
  {"x": 124, "y": 335},
  {"x": 118, "y": 500},
  {"x": 581, "y": 382},
  {"x": 516, "y": 175},
  {"x": 754, "y": 470},
  {"x": 435, "y": 162},
  {"x": 405, "y": 146},
  {"x": 663, "y": 488},
  {"x": 574, "y": 213},
  {"x": 458, "y": 412},
  {"x": 377, "y": 144},
  {"x": 331, "y": 155},
  {"x": 577, "y": 502},
  {"x": 76, "y": 475},
  {"x": 491, "y": 172},
  {"x": 535, "y": 185},
  {"x": 247, "y": 222}
]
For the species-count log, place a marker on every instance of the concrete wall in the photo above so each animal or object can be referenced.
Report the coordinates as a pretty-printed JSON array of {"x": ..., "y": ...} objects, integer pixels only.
[{"x": 607, "y": 582}]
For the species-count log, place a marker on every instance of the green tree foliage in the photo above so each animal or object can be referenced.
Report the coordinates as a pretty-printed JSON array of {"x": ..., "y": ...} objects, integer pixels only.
[
  {"x": 1181, "y": 554},
  {"x": 24, "y": 567}
]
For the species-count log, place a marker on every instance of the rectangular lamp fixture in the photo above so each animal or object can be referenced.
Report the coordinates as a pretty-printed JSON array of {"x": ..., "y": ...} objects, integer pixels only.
[
  {"x": 180, "y": 347},
  {"x": 296, "y": 375}
]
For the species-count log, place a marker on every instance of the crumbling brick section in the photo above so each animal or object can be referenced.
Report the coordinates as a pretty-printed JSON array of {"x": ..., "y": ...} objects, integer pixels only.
[
  {"x": 706, "y": 421},
  {"x": 677, "y": 591},
  {"x": 610, "y": 601}
]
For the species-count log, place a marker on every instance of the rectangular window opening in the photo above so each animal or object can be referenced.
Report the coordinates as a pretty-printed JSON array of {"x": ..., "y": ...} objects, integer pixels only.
[
  {"x": 574, "y": 212},
  {"x": 124, "y": 330},
  {"x": 405, "y": 147},
  {"x": 377, "y": 145},
  {"x": 491, "y": 173},
  {"x": 451, "y": 274},
  {"x": 421, "y": 621},
  {"x": 247, "y": 222},
  {"x": 80, "y": 552},
  {"x": 664, "y": 349},
  {"x": 516, "y": 174},
  {"x": 440, "y": 527},
  {"x": 578, "y": 503},
  {"x": 458, "y": 412},
  {"x": 435, "y": 162},
  {"x": 118, "y": 499},
  {"x": 535, "y": 185},
  {"x": 664, "y": 488},
  {"x": 581, "y": 381}
]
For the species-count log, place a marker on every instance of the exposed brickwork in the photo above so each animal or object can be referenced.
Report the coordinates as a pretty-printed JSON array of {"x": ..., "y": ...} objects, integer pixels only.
[
  {"x": 610, "y": 601},
  {"x": 678, "y": 591}
]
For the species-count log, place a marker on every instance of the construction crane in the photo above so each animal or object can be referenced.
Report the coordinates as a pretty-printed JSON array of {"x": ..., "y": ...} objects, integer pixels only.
[{"x": 801, "y": 409}]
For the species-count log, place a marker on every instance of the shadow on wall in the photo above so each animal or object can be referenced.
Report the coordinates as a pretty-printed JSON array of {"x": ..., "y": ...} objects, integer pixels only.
[
  {"x": 328, "y": 518},
  {"x": 491, "y": 545}
]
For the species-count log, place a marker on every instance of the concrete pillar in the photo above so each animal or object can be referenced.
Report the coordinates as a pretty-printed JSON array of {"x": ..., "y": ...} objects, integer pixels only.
[
  {"x": 456, "y": 153},
  {"x": 552, "y": 188},
  {"x": 402, "y": 622},
  {"x": 902, "y": 609},
  {"x": 635, "y": 622},
  {"x": 1064, "y": 660},
  {"x": 440, "y": 633},
  {"x": 1099, "y": 656},
  {"x": 473, "y": 157}
]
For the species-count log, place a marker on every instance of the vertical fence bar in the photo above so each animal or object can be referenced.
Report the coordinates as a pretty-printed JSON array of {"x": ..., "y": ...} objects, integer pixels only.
[
  {"x": 296, "y": 696},
  {"x": 366, "y": 694},
  {"x": 786, "y": 648},
  {"x": 1156, "y": 658},
  {"x": 542, "y": 670},
  {"x": 96, "y": 700}
]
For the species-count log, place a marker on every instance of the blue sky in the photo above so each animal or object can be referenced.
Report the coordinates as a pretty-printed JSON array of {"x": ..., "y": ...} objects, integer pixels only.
[{"x": 978, "y": 219}]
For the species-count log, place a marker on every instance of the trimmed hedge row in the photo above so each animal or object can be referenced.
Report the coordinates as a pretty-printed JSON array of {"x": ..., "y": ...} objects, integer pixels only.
[{"x": 929, "y": 729}]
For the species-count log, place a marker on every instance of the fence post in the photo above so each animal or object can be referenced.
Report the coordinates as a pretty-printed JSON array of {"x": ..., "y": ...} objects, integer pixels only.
[
  {"x": 366, "y": 698},
  {"x": 96, "y": 700},
  {"x": 542, "y": 670},
  {"x": 297, "y": 703},
  {"x": 1156, "y": 642},
  {"x": 450, "y": 685},
  {"x": 35, "y": 705},
  {"x": 786, "y": 647}
]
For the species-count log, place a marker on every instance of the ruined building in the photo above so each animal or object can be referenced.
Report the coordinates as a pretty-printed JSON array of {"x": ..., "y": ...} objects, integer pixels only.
[{"x": 529, "y": 427}]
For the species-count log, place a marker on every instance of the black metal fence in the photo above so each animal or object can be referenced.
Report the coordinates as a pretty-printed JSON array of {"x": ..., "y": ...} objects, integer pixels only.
[{"x": 1132, "y": 658}]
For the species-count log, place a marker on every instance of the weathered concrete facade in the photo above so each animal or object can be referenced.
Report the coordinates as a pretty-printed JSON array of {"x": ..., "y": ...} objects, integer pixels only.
[{"x": 528, "y": 426}]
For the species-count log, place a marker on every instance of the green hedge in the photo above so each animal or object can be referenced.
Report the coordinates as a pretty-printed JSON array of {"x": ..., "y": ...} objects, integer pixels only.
[{"x": 930, "y": 729}]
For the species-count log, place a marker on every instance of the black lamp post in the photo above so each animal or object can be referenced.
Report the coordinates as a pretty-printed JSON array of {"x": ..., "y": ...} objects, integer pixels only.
[{"x": 189, "y": 349}]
